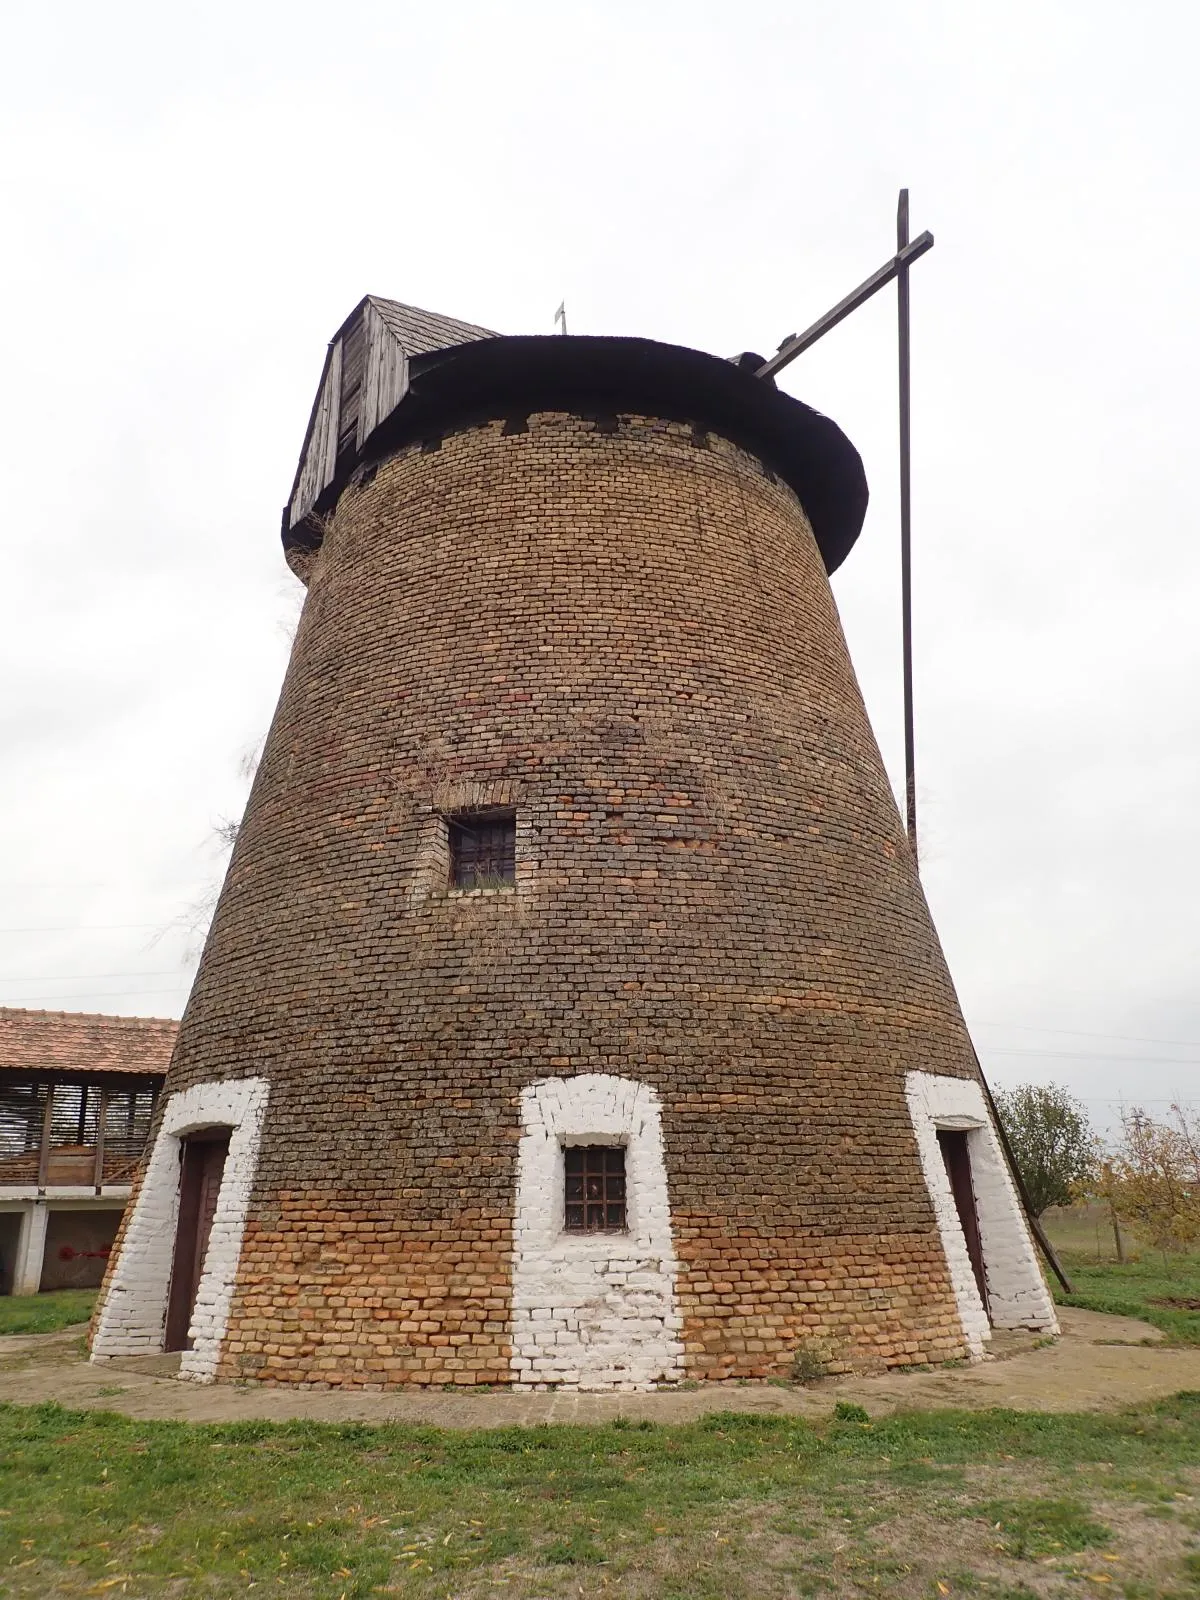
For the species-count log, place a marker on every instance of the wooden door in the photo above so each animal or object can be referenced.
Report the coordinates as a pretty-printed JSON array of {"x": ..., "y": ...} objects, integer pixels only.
[
  {"x": 956, "y": 1154},
  {"x": 201, "y": 1165}
]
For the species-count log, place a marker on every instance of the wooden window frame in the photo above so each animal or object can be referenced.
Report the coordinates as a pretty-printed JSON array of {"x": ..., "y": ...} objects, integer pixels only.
[
  {"x": 499, "y": 855},
  {"x": 595, "y": 1189}
]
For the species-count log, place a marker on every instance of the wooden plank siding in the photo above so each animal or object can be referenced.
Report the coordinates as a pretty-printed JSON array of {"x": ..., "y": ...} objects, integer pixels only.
[
  {"x": 320, "y": 448},
  {"x": 386, "y": 380},
  {"x": 364, "y": 379},
  {"x": 354, "y": 365}
]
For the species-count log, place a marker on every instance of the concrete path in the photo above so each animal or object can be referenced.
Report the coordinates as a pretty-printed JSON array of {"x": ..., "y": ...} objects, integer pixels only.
[{"x": 1100, "y": 1363}]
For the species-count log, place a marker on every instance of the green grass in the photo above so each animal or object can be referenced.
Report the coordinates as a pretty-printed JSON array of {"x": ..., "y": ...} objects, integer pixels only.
[
  {"x": 45, "y": 1313},
  {"x": 1083, "y": 1237},
  {"x": 1083, "y": 1230},
  {"x": 1129, "y": 1290},
  {"x": 741, "y": 1507},
  {"x": 1042, "y": 1527}
]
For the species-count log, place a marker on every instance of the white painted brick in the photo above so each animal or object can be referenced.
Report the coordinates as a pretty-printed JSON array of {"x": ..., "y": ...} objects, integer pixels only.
[
  {"x": 1016, "y": 1289},
  {"x": 593, "y": 1311},
  {"x": 133, "y": 1317}
]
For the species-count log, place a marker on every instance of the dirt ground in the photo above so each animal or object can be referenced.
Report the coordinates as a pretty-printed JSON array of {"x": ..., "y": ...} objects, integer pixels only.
[{"x": 1099, "y": 1363}]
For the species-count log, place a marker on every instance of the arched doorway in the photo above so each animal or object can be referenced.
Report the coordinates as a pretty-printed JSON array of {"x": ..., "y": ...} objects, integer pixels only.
[{"x": 201, "y": 1166}]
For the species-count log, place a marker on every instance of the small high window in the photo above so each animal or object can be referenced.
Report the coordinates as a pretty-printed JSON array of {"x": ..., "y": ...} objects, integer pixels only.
[
  {"x": 483, "y": 849},
  {"x": 595, "y": 1188}
]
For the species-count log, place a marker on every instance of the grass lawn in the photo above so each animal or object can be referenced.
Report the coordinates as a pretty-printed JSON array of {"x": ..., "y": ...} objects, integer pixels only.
[
  {"x": 1144, "y": 1286},
  {"x": 1085, "y": 1229},
  {"x": 1143, "y": 1289},
  {"x": 45, "y": 1313},
  {"x": 1013, "y": 1506},
  {"x": 997, "y": 1504}
]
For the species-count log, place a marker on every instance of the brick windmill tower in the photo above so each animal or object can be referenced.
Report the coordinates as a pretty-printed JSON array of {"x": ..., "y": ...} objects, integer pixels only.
[{"x": 572, "y": 1013}]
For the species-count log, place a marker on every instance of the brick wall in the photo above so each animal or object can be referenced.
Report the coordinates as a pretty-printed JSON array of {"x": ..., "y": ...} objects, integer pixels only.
[{"x": 628, "y": 634}]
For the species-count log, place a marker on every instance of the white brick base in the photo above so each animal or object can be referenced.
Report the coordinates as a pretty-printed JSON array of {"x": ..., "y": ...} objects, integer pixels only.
[
  {"x": 133, "y": 1318},
  {"x": 592, "y": 1311},
  {"x": 1016, "y": 1290}
]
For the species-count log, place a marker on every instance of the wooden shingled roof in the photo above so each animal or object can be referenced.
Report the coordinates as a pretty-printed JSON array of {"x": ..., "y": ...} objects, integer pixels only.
[
  {"x": 72, "y": 1042},
  {"x": 365, "y": 377},
  {"x": 418, "y": 332}
]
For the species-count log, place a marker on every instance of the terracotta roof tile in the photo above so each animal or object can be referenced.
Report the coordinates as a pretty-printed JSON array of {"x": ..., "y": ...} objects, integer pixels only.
[{"x": 78, "y": 1041}]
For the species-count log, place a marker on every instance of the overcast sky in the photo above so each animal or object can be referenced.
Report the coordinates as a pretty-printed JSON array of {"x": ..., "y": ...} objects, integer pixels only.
[{"x": 194, "y": 197}]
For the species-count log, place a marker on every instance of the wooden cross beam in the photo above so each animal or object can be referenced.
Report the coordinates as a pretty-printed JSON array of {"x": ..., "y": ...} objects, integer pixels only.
[{"x": 796, "y": 344}]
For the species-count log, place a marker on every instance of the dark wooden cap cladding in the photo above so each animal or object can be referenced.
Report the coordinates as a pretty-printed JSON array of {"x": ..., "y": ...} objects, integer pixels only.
[{"x": 601, "y": 378}]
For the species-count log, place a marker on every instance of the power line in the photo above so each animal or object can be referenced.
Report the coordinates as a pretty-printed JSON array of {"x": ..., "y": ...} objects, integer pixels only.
[
  {"x": 18, "y": 1002},
  {"x": 66, "y": 977},
  {"x": 1082, "y": 1033},
  {"x": 1141, "y": 1099},
  {"x": 81, "y": 927},
  {"x": 1092, "y": 1055},
  {"x": 95, "y": 883}
]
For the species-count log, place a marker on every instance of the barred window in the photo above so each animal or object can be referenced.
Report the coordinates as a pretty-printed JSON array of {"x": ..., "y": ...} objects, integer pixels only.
[
  {"x": 483, "y": 849},
  {"x": 595, "y": 1176}
]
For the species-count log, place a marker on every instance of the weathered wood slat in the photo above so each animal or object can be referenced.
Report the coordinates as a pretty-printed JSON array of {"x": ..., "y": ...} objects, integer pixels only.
[
  {"x": 365, "y": 378},
  {"x": 320, "y": 454},
  {"x": 386, "y": 379},
  {"x": 353, "y": 366},
  {"x": 47, "y": 1136},
  {"x": 328, "y": 453},
  {"x": 98, "y": 1167}
]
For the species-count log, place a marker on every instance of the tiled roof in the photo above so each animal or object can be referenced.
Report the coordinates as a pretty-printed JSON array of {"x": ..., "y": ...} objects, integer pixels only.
[
  {"x": 78, "y": 1041},
  {"x": 417, "y": 332}
]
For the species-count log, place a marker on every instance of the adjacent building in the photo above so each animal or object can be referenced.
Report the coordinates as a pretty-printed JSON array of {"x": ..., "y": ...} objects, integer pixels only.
[{"x": 77, "y": 1094}]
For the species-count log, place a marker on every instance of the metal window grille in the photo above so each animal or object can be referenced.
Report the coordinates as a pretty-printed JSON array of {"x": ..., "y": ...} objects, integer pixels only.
[
  {"x": 483, "y": 850},
  {"x": 595, "y": 1176}
]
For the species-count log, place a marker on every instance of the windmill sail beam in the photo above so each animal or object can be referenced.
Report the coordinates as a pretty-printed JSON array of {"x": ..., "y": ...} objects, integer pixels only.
[{"x": 798, "y": 343}]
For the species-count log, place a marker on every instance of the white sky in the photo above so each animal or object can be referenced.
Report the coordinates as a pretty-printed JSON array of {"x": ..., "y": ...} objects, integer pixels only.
[{"x": 195, "y": 196}]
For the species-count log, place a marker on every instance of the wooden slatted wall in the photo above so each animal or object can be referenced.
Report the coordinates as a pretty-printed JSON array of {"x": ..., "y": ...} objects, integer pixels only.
[
  {"x": 386, "y": 380},
  {"x": 320, "y": 454}
]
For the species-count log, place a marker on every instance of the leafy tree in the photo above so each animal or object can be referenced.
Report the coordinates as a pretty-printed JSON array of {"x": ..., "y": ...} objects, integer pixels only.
[
  {"x": 1051, "y": 1139},
  {"x": 1151, "y": 1179}
]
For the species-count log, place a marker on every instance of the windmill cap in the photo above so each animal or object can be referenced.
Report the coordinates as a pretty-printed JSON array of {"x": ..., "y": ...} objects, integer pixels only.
[{"x": 508, "y": 377}]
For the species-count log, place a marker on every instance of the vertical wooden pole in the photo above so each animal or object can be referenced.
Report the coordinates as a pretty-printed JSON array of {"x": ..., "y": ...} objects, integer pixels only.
[
  {"x": 44, "y": 1151},
  {"x": 910, "y": 775},
  {"x": 98, "y": 1174},
  {"x": 1035, "y": 1226},
  {"x": 1116, "y": 1228}
]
